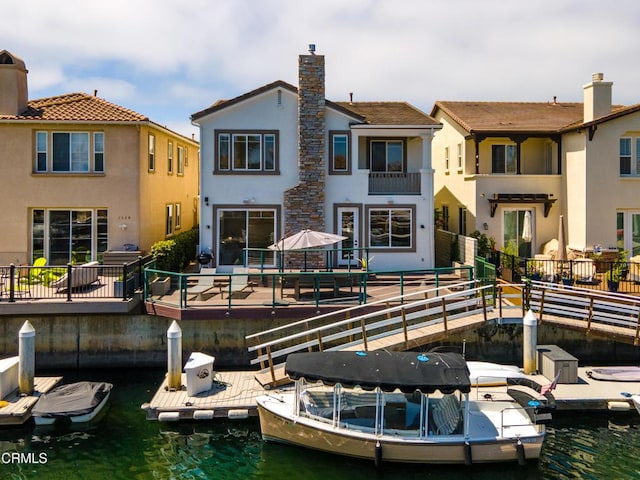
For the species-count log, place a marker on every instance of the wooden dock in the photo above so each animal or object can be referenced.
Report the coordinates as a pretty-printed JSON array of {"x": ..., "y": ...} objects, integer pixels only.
[
  {"x": 233, "y": 395},
  {"x": 18, "y": 408}
]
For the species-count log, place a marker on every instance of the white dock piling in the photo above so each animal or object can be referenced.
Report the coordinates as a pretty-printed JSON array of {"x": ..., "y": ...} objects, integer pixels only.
[
  {"x": 27, "y": 361},
  {"x": 530, "y": 342},
  {"x": 174, "y": 356}
]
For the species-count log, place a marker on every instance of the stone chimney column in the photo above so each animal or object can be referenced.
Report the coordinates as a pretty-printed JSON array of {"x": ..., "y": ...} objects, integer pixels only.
[
  {"x": 304, "y": 203},
  {"x": 597, "y": 98}
]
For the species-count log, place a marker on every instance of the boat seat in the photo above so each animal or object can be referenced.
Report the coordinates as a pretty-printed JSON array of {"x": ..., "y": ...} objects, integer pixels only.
[{"x": 446, "y": 414}]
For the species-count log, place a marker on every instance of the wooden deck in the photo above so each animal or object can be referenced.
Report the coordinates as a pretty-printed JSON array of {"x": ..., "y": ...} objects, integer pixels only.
[
  {"x": 232, "y": 396},
  {"x": 237, "y": 401},
  {"x": 18, "y": 409}
]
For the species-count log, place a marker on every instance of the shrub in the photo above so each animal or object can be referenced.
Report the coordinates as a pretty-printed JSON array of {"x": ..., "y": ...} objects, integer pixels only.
[{"x": 175, "y": 254}]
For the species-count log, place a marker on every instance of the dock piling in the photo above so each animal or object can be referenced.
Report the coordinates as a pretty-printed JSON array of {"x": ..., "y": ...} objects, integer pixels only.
[
  {"x": 174, "y": 356},
  {"x": 27, "y": 358},
  {"x": 529, "y": 342}
]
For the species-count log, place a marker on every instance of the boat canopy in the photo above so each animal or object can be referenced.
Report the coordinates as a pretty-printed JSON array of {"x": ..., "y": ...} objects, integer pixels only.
[{"x": 406, "y": 371}]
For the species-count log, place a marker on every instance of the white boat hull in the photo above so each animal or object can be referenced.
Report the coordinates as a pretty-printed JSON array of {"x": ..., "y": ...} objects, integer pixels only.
[{"x": 278, "y": 425}]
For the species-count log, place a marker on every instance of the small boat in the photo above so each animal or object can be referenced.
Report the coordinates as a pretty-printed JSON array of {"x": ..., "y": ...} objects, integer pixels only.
[
  {"x": 399, "y": 407},
  {"x": 615, "y": 374},
  {"x": 488, "y": 374},
  {"x": 79, "y": 402}
]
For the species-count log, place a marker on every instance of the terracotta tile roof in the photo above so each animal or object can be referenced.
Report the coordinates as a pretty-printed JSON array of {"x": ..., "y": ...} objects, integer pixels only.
[
  {"x": 512, "y": 116},
  {"x": 78, "y": 107},
  {"x": 389, "y": 113}
]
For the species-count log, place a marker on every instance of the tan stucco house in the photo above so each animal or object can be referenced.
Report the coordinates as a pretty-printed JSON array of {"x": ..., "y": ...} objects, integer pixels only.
[
  {"x": 82, "y": 175},
  {"x": 499, "y": 162}
]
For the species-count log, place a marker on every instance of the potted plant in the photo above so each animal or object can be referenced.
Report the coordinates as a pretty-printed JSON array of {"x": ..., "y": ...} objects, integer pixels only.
[
  {"x": 120, "y": 284},
  {"x": 613, "y": 277},
  {"x": 566, "y": 277},
  {"x": 535, "y": 271}
]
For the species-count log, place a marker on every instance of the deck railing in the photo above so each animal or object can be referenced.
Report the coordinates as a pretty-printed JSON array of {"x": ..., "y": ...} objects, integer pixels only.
[
  {"x": 282, "y": 288},
  {"x": 394, "y": 183},
  {"x": 71, "y": 282}
]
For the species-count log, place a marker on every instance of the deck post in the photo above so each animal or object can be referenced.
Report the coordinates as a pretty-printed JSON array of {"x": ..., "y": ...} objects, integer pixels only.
[
  {"x": 635, "y": 340},
  {"x": 590, "y": 316},
  {"x": 529, "y": 342},
  {"x": 27, "y": 358},
  {"x": 404, "y": 327},
  {"x": 174, "y": 356},
  {"x": 444, "y": 314}
]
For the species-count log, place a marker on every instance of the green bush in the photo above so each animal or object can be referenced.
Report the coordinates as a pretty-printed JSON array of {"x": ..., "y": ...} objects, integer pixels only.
[{"x": 175, "y": 254}]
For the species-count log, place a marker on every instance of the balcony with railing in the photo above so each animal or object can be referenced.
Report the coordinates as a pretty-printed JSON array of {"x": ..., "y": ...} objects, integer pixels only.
[{"x": 394, "y": 183}]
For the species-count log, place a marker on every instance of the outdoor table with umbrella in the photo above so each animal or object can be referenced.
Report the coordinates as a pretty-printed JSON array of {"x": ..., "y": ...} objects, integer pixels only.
[{"x": 303, "y": 241}]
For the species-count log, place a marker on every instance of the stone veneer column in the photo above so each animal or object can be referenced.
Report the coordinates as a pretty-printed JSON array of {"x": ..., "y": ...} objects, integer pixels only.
[{"x": 304, "y": 203}]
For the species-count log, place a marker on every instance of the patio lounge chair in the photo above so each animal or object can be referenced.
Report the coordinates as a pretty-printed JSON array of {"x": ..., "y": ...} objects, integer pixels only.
[
  {"x": 205, "y": 283},
  {"x": 239, "y": 281},
  {"x": 80, "y": 277}
]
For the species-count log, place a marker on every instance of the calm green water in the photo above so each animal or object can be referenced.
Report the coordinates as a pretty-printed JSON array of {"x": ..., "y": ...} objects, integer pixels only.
[{"x": 126, "y": 446}]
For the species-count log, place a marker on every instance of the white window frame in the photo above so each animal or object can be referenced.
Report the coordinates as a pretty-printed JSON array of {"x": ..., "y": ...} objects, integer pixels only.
[
  {"x": 170, "y": 157},
  {"x": 152, "y": 153},
  {"x": 459, "y": 155},
  {"x": 446, "y": 158},
  {"x": 98, "y": 151},
  {"x": 169, "y": 227},
  {"x": 178, "y": 216},
  {"x": 78, "y": 162},
  {"x": 180, "y": 160}
]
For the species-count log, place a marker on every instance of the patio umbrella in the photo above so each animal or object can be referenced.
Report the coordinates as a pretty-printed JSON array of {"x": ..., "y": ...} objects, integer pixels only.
[
  {"x": 527, "y": 234},
  {"x": 562, "y": 241},
  {"x": 305, "y": 239}
]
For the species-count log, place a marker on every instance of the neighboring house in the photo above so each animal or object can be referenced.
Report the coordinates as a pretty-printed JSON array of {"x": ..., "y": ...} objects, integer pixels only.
[
  {"x": 82, "y": 175},
  {"x": 279, "y": 159},
  {"x": 496, "y": 161}
]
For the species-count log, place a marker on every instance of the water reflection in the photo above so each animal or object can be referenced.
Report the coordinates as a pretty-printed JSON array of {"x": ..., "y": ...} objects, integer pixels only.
[{"x": 127, "y": 446}]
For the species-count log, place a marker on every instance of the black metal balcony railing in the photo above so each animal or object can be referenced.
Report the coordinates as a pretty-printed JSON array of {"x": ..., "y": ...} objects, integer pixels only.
[
  {"x": 623, "y": 277},
  {"x": 66, "y": 283},
  {"x": 395, "y": 183}
]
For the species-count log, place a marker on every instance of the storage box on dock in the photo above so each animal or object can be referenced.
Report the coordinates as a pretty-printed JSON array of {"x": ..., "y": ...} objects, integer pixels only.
[
  {"x": 199, "y": 373},
  {"x": 8, "y": 375},
  {"x": 555, "y": 362}
]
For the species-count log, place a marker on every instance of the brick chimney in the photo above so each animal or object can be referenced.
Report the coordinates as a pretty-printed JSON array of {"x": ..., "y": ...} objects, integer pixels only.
[
  {"x": 304, "y": 203},
  {"x": 597, "y": 98},
  {"x": 13, "y": 84}
]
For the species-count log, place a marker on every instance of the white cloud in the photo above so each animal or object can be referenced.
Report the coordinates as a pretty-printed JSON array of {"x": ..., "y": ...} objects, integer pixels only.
[{"x": 181, "y": 57}]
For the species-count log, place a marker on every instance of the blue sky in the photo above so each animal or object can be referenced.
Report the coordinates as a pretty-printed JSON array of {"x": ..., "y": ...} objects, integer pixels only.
[{"x": 168, "y": 59}]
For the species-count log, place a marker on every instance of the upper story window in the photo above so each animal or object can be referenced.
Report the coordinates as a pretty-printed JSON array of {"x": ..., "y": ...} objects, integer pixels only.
[
  {"x": 503, "y": 159},
  {"x": 339, "y": 155},
  {"x": 152, "y": 153},
  {"x": 386, "y": 155},
  {"x": 170, "y": 158},
  {"x": 246, "y": 152},
  {"x": 446, "y": 158},
  {"x": 459, "y": 156},
  {"x": 181, "y": 160},
  {"x": 69, "y": 152},
  {"x": 630, "y": 156}
]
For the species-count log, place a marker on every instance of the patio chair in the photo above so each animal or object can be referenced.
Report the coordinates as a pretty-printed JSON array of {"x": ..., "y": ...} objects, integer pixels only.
[
  {"x": 205, "y": 283},
  {"x": 239, "y": 281},
  {"x": 36, "y": 273},
  {"x": 584, "y": 270}
]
